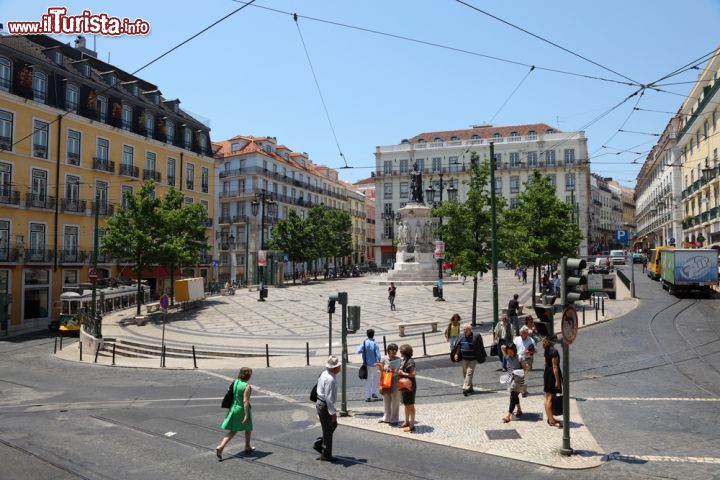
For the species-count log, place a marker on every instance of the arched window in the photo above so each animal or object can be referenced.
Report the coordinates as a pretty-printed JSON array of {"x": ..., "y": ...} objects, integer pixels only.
[
  {"x": 496, "y": 136},
  {"x": 72, "y": 97},
  {"x": 532, "y": 133},
  {"x": 5, "y": 74},
  {"x": 438, "y": 140},
  {"x": 513, "y": 134}
]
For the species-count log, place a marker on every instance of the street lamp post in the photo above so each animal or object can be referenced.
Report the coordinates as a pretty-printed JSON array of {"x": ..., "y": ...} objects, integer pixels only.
[
  {"x": 452, "y": 193},
  {"x": 261, "y": 199},
  {"x": 233, "y": 262}
]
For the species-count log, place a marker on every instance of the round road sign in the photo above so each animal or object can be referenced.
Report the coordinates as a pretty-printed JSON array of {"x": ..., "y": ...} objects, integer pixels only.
[
  {"x": 164, "y": 301},
  {"x": 569, "y": 324},
  {"x": 92, "y": 275}
]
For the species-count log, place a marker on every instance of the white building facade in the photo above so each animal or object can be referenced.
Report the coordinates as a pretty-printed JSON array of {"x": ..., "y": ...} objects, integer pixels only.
[{"x": 445, "y": 156}]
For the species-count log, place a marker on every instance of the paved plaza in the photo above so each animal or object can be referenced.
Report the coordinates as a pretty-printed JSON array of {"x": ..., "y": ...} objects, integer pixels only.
[{"x": 294, "y": 321}]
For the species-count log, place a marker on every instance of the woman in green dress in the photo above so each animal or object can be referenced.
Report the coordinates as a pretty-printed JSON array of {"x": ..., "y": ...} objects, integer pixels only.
[{"x": 239, "y": 416}]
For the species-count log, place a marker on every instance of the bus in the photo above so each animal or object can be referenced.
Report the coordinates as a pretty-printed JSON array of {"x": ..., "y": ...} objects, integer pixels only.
[{"x": 654, "y": 267}]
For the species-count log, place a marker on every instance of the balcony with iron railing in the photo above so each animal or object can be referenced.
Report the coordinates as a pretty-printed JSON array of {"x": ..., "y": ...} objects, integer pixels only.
[
  {"x": 38, "y": 255},
  {"x": 8, "y": 196},
  {"x": 171, "y": 180},
  {"x": 5, "y": 143},
  {"x": 104, "y": 209},
  {"x": 39, "y": 200},
  {"x": 40, "y": 151},
  {"x": 9, "y": 254},
  {"x": 69, "y": 256},
  {"x": 103, "y": 164},
  {"x": 72, "y": 205},
  {"x": 151, "y": 175},
  {"x": 129, "y": 170},
  {"x": 73, "y": 158}
]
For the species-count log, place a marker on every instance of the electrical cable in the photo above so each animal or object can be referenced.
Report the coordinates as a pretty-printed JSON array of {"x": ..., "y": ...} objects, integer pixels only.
[
  {"x": 317, "y": 84},
  {"x": 639, "y": 133},
  {"x": 642, "y": 92},
  {"x": 547, "y": 41},
  {"x": 439, "y": 45},
  {"x": 108, "y": 87},
  {"x": 689, "y": 66},
  {"x": 512, "y": 93}
]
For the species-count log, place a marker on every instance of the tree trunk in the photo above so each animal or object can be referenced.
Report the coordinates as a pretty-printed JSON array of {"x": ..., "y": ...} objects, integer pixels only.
[
  {"x": 293, "y": 274},
  {"x": 139, "y": 286},
  {"x": 533, "y": 284},
  {"x": 474, "y": 309},
  {"x": 172, "y": 284}
]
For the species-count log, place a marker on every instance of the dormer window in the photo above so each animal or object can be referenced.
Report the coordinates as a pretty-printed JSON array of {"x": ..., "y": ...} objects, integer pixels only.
[
  {"x": 56, "y": 56},
  {"x": 453, "y": 137},
  {"x": 111, "y": 79},
  {"x": 475, "y": 137},
  {"x": 83, "y": 67},
  {"x": 187, "y": 138},
  {"x": 532, "y": 133},
  {"x": 549, "y": 130},
  {"x": 5, "y": 74},
  {"x": 513, "y": 134},
  {"x": 438, "y": 140},
  {"x": 496, "y": 136},
  {"x": 235, "y": 147},
  {"x": 421, "y": 140},
  {"x": 202, "y": 138}
]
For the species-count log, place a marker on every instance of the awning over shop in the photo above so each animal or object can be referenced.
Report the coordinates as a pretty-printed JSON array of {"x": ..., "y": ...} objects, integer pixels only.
[
  {"x": 153, "y": 272},
  {"x": 388, "y": 249}
]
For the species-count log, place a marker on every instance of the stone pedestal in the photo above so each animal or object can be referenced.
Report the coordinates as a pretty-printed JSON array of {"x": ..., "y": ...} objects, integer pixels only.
[{"x": 414, "y": 259}]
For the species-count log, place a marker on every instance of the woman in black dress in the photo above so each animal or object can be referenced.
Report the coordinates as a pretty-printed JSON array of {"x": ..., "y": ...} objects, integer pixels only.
[
  {"x": 407, "y": 370},
  {"x": 552, "y": 384}
]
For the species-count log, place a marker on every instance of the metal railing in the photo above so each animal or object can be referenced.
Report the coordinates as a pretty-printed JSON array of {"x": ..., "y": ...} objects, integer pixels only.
[{"x": 103, "y": 164}]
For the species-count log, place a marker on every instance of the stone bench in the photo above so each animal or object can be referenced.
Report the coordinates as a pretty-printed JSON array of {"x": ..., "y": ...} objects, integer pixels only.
[
  {"x": 152, "y": 307},
  {"x": 401, "y": 326}
]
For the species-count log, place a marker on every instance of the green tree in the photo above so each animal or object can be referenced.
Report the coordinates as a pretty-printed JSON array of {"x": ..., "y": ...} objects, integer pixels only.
[
  {"x": 290, "y": 236},
  {"x": 340, "y": 234},
  {"x": 183, "y": 231},
  {"x": 135, "y": 233},
  {"x": 540, "y": 229},
  {"x": 466, "y": 230},
  {"x": 319, "y": 235}
]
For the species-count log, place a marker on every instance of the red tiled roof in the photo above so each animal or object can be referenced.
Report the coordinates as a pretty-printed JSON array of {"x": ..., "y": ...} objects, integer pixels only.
[
  {"x": 366, "y": 181},
  {"x": 483, "y": 132}
]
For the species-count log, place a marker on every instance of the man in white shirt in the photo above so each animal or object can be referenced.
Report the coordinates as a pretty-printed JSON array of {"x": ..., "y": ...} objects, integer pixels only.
[
  {"x": 525, "y": 350},
  {"x": 370, "y": 352},
  {"x": 325, "y": 406}
]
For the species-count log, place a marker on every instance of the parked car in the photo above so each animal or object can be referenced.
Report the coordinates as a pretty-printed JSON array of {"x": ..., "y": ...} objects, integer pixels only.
[
  {"x": 638, "y": 257},
  {"x": 617, "y": 257},
  {"x": 601, "y": 265}
]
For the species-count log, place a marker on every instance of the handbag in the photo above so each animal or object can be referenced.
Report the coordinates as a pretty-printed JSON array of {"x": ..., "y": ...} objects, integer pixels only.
[
  {"x": 313, "y": 393},
  {"x": 363, "y": 373},
  {"x": 386, "y": 380},
  {"x": 405, "y": 384},
  {"x": 557, "y": 405},
  {"x": 227, "y": 400},
  {"x": 494, "y": 350}
]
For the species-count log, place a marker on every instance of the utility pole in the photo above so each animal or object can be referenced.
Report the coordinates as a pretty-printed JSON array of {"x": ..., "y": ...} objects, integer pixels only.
[
  {"x": 493, "y": 214},
  {"x": 94, "y": 315}
]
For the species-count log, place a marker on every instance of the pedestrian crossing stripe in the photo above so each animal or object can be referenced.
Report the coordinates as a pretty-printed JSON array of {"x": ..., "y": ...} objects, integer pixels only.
[
  {"x": 648, "y": 399},
  {"x": 661, "y": 458}
]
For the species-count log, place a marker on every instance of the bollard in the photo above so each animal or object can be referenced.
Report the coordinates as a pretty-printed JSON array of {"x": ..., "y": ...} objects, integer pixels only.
[
  {"x": 267, "y": 355},
  {"x": 97, "y": 350},
  {"x": 55, "y": 347},
  {"x": 61, "y": 337},
  {"x": 194, "y": 357},
  {"x": 583, "y": 314},
  {"x": 307, "y": 354},
  {"x": 596, "y": 312},
  {"x": 80, "y": 351},
  {"x": 162, "y": 357},
  {"x": 384, "y": 345},
  {"x": 603, "y": 307},
  {"x": 113, "y": 360},
  {"x": 424, "y": 346}
]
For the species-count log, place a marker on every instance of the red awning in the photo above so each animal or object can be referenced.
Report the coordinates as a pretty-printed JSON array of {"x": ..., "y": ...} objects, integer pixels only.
[{"x": 388, "y": 249}]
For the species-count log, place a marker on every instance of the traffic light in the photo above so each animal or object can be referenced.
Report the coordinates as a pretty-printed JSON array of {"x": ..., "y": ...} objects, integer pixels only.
[
  {"x": 544, "y": 324},
  {"x": 331, "y": 306},
  {"x": 572, "y": 280},
  {"x": 353, "y": 318}
]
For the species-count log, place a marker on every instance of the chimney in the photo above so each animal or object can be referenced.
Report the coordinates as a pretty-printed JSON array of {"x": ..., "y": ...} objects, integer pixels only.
[{"x": 81, "y": 46}]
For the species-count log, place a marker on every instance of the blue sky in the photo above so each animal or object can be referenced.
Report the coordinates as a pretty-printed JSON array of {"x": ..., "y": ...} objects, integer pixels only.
[{"x": 249, "y": 74}]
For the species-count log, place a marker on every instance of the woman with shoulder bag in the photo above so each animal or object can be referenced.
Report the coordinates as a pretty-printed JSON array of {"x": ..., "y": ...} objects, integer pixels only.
[
  {"x": 388, "y": 368},
  {"x": 552, "y": 379},
  {"x": 406, "y": 373},
  {"x": 239, "y": 416},
  {"x": 517, "y": 381}
]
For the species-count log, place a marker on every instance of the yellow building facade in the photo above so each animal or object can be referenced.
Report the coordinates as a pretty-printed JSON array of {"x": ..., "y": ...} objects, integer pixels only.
[{"x": 76, "y": 135}]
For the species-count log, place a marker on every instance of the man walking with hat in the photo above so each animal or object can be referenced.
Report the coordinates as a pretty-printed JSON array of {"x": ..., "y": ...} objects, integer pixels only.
[{"x": 325, "y": 405}]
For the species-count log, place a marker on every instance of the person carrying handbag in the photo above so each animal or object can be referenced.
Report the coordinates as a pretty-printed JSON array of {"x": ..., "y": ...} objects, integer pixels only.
[
  {"x": 371, "y": 356},
  {"x": 504, "y": 335},
  {"x": 388, "y": 368}
]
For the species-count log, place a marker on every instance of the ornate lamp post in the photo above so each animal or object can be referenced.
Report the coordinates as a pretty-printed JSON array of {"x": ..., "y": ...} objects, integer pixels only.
[
  {"x": 261, "y": 199},
  {"x": 452, "y": 195}
]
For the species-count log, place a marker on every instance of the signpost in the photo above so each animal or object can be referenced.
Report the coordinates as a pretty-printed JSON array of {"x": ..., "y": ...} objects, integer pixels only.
[
  {"x": 262, "y": 258},
  {"x": 621, "y": 236},
  {"x": 569, "y": 325},
  {"x": 164, "y": 303},
  {"x": 92, "y": 275}
]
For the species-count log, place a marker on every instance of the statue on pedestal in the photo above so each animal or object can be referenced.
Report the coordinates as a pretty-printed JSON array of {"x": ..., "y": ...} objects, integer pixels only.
[
  {"x": 427, "y": 233},
  {"x": 416, "y": 189}
]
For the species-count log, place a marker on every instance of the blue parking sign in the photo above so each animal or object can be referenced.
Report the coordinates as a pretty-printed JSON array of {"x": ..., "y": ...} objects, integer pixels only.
[{"x": 621, "y": 236}]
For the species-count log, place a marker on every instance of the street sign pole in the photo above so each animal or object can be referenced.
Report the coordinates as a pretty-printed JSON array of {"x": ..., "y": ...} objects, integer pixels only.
[
  {"x": 569, "y": 327},
  {"x": 493, "y": 226}
]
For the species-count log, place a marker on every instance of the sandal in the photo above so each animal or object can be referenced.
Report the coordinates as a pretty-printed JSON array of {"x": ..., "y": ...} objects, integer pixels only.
[
  {"x": 506, "y": 419},
  {"x": 555, "y": 424},
  {"x": 518, "y": 413},
  {"x": 409, "y": 428},
  {"x": 218, "y": 453},
  {"x": 249, "y": 449},
  {"x": 404, "y": 425}
]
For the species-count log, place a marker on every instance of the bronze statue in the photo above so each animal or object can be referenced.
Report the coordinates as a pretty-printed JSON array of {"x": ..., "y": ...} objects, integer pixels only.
[{"x": 416, "y": 189}]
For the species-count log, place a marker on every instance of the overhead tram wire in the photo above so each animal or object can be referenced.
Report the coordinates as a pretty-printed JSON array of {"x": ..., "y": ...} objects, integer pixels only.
[
  {"x": 512, "y": 93},
  {"x": 548, "y": 41},
  {"x": 641, "y": 91},
  {"x": 689, "y": 66},
  {"x": 108, "y": 87},
  {"x": 317, "y": 84},
  {"x": 441, "y": 46}
]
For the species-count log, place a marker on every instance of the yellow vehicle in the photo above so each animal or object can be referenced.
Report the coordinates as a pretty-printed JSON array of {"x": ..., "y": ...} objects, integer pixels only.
[{"x": 654, "y": 265}]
